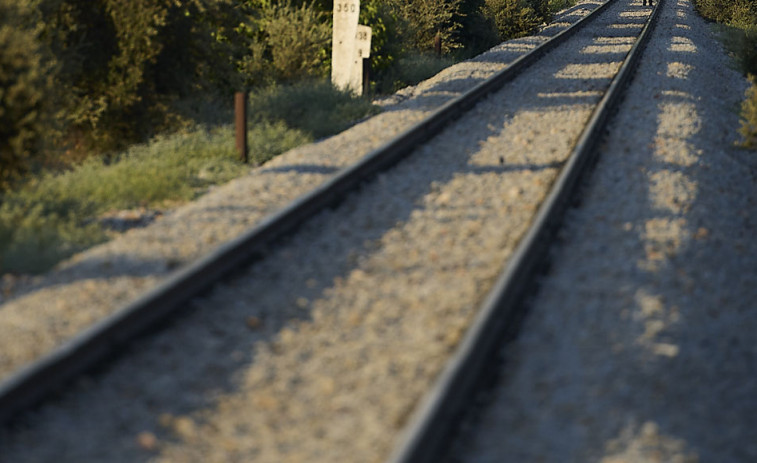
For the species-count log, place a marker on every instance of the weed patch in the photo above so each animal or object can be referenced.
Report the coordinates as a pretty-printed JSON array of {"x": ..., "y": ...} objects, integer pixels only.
[
  {"x": 54, "y": 216},
  {"x": 738, "y": 19},
  {"x": 749, "y": 116},
  {"x": 316, "y": 108},
  {"x": 411, "y": 70}
]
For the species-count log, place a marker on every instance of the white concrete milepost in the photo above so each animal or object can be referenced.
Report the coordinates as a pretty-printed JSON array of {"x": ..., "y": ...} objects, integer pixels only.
[
  {"x": 362, "y": 51},
  {"x": 346, "y": 14}
]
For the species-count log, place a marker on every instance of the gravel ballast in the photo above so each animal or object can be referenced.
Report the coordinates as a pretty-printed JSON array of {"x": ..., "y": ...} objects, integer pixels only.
[{"x": 640, "y": 346}]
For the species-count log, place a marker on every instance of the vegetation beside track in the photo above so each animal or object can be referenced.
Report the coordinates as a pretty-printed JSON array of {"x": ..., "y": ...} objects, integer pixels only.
[
  {"x": 55, "y": 214},
  {"x": 109, "y": 105},
  {"x": 738, "y": 26}
]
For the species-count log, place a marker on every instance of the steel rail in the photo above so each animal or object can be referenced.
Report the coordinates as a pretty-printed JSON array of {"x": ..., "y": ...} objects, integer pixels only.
[
  {"x": 430, "y": 428},
  {"x": 33, "y": 382}
]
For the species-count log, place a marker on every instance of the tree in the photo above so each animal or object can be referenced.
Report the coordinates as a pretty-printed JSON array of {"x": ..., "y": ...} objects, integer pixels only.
[
  {"x": 24, "y": 87},
  {"x": 122, "y": 63}
]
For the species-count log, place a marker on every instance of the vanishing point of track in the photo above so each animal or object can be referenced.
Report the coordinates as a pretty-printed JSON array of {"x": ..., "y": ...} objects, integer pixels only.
[{"x": 38, "y": 379}]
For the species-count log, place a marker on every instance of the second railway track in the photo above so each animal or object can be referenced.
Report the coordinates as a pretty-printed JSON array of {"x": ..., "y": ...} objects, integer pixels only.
[{"x": 322, "y": 350}]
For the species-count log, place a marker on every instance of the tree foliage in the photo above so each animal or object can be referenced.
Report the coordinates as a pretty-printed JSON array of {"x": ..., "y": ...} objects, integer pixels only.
[
  {"x": 735, "y": 12},
  {"x": 425, "y": 19},
  {"x": 512, "y": 18},
  {"x": 24, "y": 88},
  {"x": 123, "y": 62},
  {"x": 477, "y": 30},
  {"x": 287, "y": 41}
]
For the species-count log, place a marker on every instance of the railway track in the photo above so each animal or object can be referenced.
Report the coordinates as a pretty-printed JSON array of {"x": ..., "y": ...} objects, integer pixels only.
[
  {"x": 522, "y": 167},
  {"x": 428, "y": 436},
  {"x": 618, "y": 360}
]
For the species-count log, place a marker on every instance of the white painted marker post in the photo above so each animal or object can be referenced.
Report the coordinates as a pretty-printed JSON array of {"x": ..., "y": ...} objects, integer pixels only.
[
  {"x": 346, "y": 14},
  {"x": 362, "y": 51}
]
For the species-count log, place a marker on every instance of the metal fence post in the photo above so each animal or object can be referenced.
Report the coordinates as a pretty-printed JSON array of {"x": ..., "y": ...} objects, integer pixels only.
[
  {"x": 240, "y": 113},
  {"x": 366, "y": 75}
]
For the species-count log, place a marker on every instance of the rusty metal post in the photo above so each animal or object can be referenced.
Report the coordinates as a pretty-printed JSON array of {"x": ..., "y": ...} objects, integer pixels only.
[
  {"x": 240, "y": 113},
  {"x": 438, "y": 45},
  {"x": 366, "y": 75}
]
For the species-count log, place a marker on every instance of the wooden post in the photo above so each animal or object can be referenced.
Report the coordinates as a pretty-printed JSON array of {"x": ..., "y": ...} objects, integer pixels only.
[
  {"x": 240, "y": 113},
  {"x": 438, "y": 45}
]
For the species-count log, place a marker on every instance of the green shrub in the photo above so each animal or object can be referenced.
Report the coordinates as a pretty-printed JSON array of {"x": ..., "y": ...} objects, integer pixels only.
[
  {"x": 733, "y": 12},
  {"x": 425, "y": 19},
  {"x": 33, "y": 240},
  {"x": 513, "y": 18},
  {"x": 24, "y": 88},
  {"x": 267, "y": 140},
  {"x": 749, "y": 116},
  {"x": 558, "y": 5},
  {"x": 541, "y": 8},
  {"x": 287, "y": 42},
  {"x": 316, "y": 108}
]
